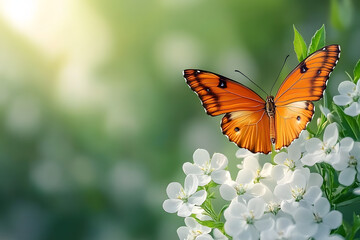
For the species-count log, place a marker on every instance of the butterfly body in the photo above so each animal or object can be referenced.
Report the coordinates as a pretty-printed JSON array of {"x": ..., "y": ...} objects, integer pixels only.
[
  {"x": 254, "y": 123},
  {"x": 270, "y": 111}
]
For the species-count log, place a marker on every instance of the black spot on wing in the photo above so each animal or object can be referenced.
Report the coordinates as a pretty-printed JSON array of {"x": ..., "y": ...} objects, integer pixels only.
[
  {"x": 222, "y": 83},
  {"x": 303, "y": 67}
]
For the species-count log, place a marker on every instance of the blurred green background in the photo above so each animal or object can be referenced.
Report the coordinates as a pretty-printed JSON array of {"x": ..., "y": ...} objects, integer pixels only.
[{"x": 95, "y": 117}]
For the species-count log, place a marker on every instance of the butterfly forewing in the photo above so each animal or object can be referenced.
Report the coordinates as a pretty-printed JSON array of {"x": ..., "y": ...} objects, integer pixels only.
[
  {"x": 220, "y": 95},
  {"x": 308, "y": 80},
  {"x": 304, "y": 84}
]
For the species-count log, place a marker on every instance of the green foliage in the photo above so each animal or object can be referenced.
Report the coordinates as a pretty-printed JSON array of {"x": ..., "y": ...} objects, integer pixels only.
[
  {"x": 299, "y": 45},
  {"x": 317, "y": 41},
  {"x": 349, "y": 126}
]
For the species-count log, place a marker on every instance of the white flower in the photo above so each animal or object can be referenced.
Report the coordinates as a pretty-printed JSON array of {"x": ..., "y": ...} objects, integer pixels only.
[
  {"x": 326, "y": 150},
  {"x": 287, "y": 163},
  {"x": 193, "y": 231},
  {"x": 182, "y": 200},
  {"x": 204, "y": 167},
  {"x": 304, "y": 185},
  {"x": 243, "y": 153},
  {"x": 349, "y": 161},
  {"x": 349, "y": 95},
  {"x": 300, "y": 142},
  {"x": 283, "y": 229},
  {"x": 246, "y": 221},
  {"x": 248, "y": 181},
  {"x": 317, "y": 219}
]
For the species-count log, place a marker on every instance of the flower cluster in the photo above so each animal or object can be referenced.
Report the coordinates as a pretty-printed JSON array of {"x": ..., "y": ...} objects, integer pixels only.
[{"x": 270, "y": 201}]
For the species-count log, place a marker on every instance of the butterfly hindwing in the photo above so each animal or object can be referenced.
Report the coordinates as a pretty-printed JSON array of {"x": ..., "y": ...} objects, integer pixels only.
[
  {"x": 290, "y": 120},
  {"x": 248, "y": 129},
  {"x": 220, "y": 95}
]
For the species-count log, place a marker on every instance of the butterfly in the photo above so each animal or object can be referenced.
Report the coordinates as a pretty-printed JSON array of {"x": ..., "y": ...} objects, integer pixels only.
[{"x": 254, "y": 123}]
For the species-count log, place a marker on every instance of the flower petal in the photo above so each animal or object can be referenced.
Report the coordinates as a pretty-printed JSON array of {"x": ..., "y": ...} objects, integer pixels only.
[
  {"x": 264, "y": 223},
  {"x": 278, "y": 172},
  {"x": 342, "y": 100},
  {"x": 191, "y": 184},
  {"x": 190, "y": 168},
  {"x": 313, "y": 145},
  {"x": 227, "y": 192},
  {"x": 333, "y": 219},
  {"x": 346, "y": 87},
  {"x": 256, "y": 206},
  {"x": 245, "y": 176},
  {"x": 347, "y": 176},
  {"x": 198, "y": 198},
  {"x": 251, "y": 163},
  {"x": 191, "y": 222},
  {"x": 220, "y": 176},
  {"x": 236, "y": 209},
  {"x": 353, "y": 110},
  {"x": 185, "y": 210},
  {"x": 280, "y": 158},
  {"x": 282, "y": 223},
  {"x": 283, "y": 191},
  {"x": 315, "y": 179},
  {"x": 322, "y": 207},
  {"x": 219, "y": 161},
  {"x": 203, "y": 179},
  {"x": 234, "y": 226},
  {"x": 183, "y": 232},
  {"x": 172, "y": 205},
  {"x": 173, "y": 189},
  {"x": 331, "y": 135},
  {"x": 346, "y": 144},
  {"x": 201, "y": 157},
  {"x": 311, "y": 159},
  {"x": 243, "y": 152},
  {"x": 303, "y": 216},
  {"x": 313, "y": 194}
]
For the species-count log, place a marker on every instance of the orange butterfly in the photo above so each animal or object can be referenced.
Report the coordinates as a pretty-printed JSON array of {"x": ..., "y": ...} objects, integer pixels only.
[{"x": 254, "y": 123}]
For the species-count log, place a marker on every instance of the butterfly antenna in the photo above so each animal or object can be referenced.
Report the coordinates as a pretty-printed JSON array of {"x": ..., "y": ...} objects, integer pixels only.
[
  {"x": 279, "y": 73},
  {"x": 252, "y": 82}
]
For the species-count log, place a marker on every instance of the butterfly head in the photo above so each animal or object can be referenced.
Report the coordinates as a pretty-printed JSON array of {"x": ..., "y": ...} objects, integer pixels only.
[{"x": 270, "y": 106}]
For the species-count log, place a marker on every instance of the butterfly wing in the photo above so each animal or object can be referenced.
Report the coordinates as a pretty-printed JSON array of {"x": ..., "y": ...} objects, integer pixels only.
[
  {"x": 248, "y": 129},
  {"x": 245, "y": 121},
  {"x": 220, "y": 95},
  {"x": 304, "y": 84}
]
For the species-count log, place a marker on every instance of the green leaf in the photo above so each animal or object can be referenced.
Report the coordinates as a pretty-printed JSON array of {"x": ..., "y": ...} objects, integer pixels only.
[
  {"x": 210, "y": 223},
  {"x": 299, "y": 45},
  {"x": 318, "y": 40},
  {"x": 349, "y": 125},
  {"x": 357, "y": 72}
]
